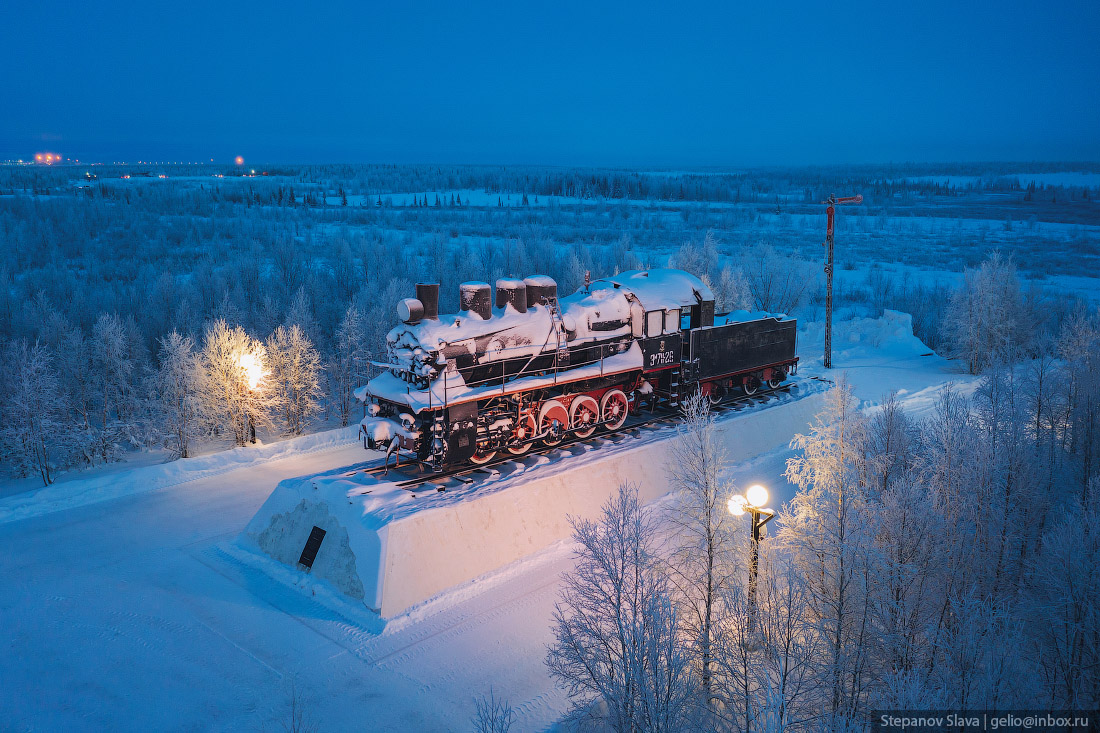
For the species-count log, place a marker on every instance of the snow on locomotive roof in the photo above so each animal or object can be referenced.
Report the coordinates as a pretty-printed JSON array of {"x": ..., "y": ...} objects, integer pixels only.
[
  {"x": 540, "y": 280},
  {"x": 746, "y": 316},
  {"x": 661, "y": 288}
]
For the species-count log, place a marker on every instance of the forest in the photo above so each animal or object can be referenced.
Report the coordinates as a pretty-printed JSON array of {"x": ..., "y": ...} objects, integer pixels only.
[{"x": 132, "y": 293}]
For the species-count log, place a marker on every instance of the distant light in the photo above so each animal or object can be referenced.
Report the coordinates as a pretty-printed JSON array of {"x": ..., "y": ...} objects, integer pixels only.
[
  {"x": 737, "y": 505},
  {"x": 757, "y": 495},
  {"x": 239, "y": 160}
]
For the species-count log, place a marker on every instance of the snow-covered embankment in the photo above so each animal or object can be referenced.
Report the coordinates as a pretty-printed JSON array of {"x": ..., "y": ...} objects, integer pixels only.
[{"x": 391, "y": 549}]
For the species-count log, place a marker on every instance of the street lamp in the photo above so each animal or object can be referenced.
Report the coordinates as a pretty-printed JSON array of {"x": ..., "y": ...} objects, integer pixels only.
[{"x": 752, "y": 502}]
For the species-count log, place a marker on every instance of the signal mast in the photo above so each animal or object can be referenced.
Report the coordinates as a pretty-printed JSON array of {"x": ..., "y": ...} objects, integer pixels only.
[{"x": 832, "y": 202}]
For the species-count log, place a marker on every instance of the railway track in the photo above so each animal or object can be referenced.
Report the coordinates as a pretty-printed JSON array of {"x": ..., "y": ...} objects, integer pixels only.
[{"x": 416, "y": 474}]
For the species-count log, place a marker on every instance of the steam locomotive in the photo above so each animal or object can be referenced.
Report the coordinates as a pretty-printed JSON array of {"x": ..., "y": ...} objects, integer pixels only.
[{"x": 536, "y": 369}]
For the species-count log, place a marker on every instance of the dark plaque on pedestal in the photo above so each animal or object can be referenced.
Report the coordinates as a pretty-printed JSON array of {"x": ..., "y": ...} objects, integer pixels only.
[{"x": 313, "y": 544}]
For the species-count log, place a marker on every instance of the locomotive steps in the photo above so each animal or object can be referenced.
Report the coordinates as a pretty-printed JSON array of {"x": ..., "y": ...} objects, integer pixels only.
[{"x": 391, "y": 548}]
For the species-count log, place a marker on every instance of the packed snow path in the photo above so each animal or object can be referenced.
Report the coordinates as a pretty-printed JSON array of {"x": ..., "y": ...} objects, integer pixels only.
[{"x": 102, "y": 600}]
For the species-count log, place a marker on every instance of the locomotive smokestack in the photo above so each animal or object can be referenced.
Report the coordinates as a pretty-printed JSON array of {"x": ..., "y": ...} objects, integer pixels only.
[
  {"x": 539, "y": 287},
  {"x": 512, "y": 292},
  {"x": 428, "y": 295},
  {"x": 476, "y": 297}
]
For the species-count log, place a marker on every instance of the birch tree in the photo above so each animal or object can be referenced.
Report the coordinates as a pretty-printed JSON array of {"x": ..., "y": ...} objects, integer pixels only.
[
  {"x": 615, "y": 646},
  {"x": 987, "y": 315},
  {"x": 824, "y": 532},
  {"x": 702, "y": 540},
  {"x": 32, "y": 424},
  {"x": 179, "y": 387},
  {"x": 294, "y": 375},
  {"x": 236, "y": 392},
  {"x": 350, "y": 346}
]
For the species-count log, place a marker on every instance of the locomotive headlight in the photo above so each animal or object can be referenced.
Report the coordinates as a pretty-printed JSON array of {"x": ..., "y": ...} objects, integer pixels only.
[
  {"x": 737, "y": 505},
  {"x": 756, "y": 495}
]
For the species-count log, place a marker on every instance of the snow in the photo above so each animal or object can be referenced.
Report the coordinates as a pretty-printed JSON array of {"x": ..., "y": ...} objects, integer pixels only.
[
  {"x": 452, "y": 389},
  {"x": 394, "y": 548},
  {"x": 103, "y": 597},
  {"x": 741, "y": 316},
  {"x": 662, "y": 289},
  {"x": 78, "y": 491}
]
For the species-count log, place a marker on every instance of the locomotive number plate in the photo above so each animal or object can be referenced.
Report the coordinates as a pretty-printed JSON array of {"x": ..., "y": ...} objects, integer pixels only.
[{"x": 661, "y": 352}]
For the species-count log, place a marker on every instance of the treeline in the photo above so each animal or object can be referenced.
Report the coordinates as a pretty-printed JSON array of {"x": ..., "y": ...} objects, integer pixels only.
[{"x": 758, "y": 185}]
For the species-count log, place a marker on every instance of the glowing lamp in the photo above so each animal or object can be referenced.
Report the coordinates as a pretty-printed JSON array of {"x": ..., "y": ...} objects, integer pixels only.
[
  {"x": 757, "y": 496},
  {"x": 239, "y": 160},
  {"x": 253, "y": 370},
  {"x": 737, "y": 505}
]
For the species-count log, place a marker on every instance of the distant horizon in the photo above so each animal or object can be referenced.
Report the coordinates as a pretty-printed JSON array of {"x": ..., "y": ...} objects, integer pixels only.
[{"x": 1068, "y": 164}]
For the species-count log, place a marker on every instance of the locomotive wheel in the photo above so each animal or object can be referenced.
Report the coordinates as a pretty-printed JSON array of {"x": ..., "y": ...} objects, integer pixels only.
[
  {"x": 751, "y": 385},
  {"x": 614, "y": 407},
  {"x": 523, "y": 431},
  {"x": 553, "y": 420},
  {"x": 584, "y": 413},
  {"x": 777, "y": 379},
  {"x": 481, "y": 458},
  {"x": 717, "y": 394}
]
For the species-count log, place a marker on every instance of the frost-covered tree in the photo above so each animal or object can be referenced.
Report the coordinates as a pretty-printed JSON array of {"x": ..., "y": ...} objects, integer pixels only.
[
  {"x": 987, "y": 318},
  {"x": 615, "y": 646},
  {"x": 117, "y": 363},
  {"x": 350, "y": 350},
  {"x": 1064, "y": 601},
  {"x": 32, "y": 429},
  {"x": 892, "y": 438},
  {"x": 1079, "y": 346},
  {"x": 300, "y": 313},
  {"x": 778, "y": 283},
  {"x": 824, "y": 533},
  {"x": 702, "y": 539},
  {"x": 178, "y": 387},
  {"x": 236, "y": 394},
  {"x": 700, "y": 259},
  {"x": 294, "y": 375},
  {"x": 731, "y": 290},
  {"x": 767, "y": 652}
]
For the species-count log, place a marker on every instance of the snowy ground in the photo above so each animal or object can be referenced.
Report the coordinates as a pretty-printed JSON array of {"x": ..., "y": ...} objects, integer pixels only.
[{"x": 102, "y": 597}]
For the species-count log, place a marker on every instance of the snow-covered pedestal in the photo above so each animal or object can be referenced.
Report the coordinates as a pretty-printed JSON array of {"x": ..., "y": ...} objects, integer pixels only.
[{"x": 391, "y": 549}]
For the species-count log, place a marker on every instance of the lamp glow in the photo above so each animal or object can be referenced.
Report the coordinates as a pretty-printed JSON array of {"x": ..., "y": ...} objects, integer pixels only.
[
  {"x": 253, "y": 370},
  {"x": 737, "y": 505},
  {"x": 757, "y": 495}
]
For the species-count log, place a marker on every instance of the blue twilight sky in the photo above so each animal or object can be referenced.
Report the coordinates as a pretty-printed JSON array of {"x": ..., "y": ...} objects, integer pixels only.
[{"x": 663, "y": 84}]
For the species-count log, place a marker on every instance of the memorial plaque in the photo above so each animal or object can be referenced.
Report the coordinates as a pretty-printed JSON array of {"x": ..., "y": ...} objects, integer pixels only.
[{"x": 313, "y": 544}]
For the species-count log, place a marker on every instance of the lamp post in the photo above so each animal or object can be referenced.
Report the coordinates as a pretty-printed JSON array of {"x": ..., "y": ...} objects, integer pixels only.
[{"x": 752, "y": 503}]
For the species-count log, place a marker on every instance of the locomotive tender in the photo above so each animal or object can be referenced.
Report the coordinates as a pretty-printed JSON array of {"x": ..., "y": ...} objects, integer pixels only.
[{"x": 536, "y": 369}]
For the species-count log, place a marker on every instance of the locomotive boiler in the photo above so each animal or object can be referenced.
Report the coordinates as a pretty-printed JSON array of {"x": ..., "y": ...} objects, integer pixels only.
[{"x": 518, "y": 366}]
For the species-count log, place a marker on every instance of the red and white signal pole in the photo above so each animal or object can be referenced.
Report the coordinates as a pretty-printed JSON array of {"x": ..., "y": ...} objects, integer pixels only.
[{"x": 832, "y": 202}]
